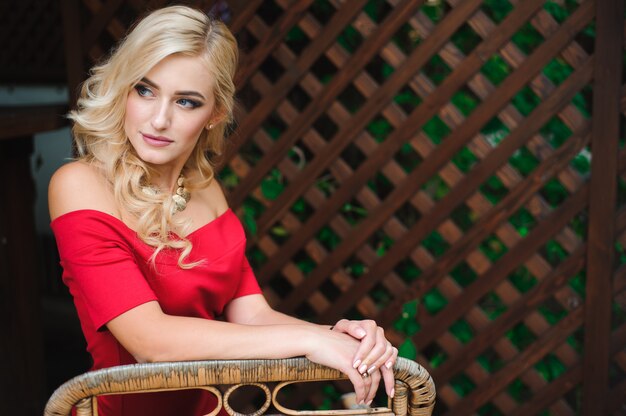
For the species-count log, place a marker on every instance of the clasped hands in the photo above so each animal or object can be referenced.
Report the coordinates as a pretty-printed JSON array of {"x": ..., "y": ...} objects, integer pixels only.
[{"x": 373, "y": 360}]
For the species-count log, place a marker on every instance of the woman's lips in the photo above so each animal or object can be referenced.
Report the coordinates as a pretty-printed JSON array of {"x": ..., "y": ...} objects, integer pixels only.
[{"x": 157, "y": 141}]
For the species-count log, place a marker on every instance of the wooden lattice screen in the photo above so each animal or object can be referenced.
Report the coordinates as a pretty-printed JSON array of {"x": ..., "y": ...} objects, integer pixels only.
[
  {"x": 428, "y": 164},
  {"x": 31, "y": 47}
]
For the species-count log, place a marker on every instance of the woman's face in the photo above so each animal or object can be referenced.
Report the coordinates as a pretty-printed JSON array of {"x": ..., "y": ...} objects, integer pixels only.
[{"x": 167, "y": 110}]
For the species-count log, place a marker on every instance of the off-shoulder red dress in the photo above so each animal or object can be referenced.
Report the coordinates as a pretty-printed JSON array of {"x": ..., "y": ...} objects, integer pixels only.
[{"x": 107, "y": 269}]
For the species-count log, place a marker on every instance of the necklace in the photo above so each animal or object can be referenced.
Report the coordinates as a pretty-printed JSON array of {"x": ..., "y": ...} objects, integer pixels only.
[{"x": 180, "y": 197}]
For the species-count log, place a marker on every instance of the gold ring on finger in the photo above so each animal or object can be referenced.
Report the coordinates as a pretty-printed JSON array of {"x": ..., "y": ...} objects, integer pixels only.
[{"x": 365, "y": 375}]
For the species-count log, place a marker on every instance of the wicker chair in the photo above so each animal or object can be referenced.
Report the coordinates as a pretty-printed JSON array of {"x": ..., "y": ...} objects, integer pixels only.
[{"x": 415, "y": 390}]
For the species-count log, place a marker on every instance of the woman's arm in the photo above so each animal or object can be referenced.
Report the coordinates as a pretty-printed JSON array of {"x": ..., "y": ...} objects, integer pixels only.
[
  {"x": 374, "y": 353},
  {"x": 151, "y": 335}
]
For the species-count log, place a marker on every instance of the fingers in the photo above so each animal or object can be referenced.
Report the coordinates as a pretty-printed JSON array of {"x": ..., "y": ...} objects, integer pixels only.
[
  {"x": 361, "y": 385},
  {"x": 385, "y": 365},
  {"x": 389, "y": 381},
  {"x": 365, "y": 353},
  {"x": 379, "y": 355},
  {"x": 374, "y": 380},
  {"x": 352, "y": 328}
]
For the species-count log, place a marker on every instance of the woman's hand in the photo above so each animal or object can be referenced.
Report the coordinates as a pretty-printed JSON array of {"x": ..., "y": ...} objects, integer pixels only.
[
  {"x": 374, "y": 352},
  {"x": 335, "y": 349}
]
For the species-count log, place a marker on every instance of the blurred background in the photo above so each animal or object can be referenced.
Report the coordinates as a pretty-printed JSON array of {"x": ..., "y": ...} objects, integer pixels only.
[{"x": 453, "y": 169}]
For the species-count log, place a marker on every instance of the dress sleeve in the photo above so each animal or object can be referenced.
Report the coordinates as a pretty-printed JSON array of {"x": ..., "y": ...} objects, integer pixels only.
[
  {"x": 248, "y": 284},
  {"x": 99, "y": 266}
]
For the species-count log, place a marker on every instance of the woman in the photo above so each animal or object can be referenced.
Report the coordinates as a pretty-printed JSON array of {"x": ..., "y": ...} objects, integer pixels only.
[{"x": 150, "y": 250}]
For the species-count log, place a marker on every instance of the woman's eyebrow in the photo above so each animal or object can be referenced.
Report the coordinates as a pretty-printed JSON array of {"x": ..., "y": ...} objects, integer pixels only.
[{"x": 188, "y": 93}]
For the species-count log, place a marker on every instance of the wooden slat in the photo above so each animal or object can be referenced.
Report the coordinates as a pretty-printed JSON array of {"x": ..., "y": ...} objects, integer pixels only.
[
  {"x": 499, "y": 380},
  {"x": 400, "y": 135},
  {"x": 461, "y": 249},
  {"x": 294, "y": 73},
  {"x": 516, "y": 312},
  {"x": 620, "y": 220},
  {"x": 602, "y": 201},
  {"x": 457, "y": 195},
  {"x": 242, "y": 18},
  {"x": 99, "y": 22},
  {"x": 427, "y": 168},
  {"x": 433, "y": 327},
  {"x": 350, "y": 131},
  {"x": 557, "y": 388},
  {"x": 320, "y": 103},
  {"x": 283, "y": 25}
]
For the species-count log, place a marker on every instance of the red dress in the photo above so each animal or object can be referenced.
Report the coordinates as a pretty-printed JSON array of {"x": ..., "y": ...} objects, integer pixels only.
[{"x": 107, "y": 269}]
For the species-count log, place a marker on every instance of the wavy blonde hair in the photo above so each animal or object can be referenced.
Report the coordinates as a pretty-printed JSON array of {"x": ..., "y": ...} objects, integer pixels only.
[{"x": 98, "y": 128}]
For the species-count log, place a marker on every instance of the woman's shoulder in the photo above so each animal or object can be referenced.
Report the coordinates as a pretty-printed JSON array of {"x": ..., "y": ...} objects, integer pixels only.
[
  {"x": 213, "y": 196},
  {"x": 78, "y": 185}
]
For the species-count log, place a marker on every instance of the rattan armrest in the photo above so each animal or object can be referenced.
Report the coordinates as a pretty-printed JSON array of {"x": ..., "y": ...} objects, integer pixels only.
[{"x": 415, "y": 390}]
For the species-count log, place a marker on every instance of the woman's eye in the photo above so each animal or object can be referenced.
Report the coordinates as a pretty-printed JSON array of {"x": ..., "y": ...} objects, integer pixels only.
[
  {"x": 187, "y": 103},
  {"x": 143, "y": 91}
]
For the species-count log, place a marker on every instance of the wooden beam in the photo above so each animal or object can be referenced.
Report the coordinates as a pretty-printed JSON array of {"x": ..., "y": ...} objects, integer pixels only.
[
  {"x": 602, "y": 204},
  {"x": 26, "y": 121},
  {"x": 74, "y": 61}
]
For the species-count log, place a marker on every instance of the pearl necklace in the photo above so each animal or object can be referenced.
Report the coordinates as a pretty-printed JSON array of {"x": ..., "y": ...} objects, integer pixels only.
[{"x": 180, "y": 197}]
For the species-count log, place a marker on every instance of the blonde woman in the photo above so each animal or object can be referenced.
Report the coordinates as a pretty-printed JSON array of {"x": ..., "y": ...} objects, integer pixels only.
[{"x": 151, "y": 252}]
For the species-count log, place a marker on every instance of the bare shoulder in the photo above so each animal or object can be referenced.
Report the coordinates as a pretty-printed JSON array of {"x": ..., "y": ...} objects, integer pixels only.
[
  {"x": 78, "y": 185},
  {"x": 213, "y": 197}
]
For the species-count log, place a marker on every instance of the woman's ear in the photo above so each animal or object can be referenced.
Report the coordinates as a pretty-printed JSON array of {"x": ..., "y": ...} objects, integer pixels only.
[{"x": 214, "y": 121}]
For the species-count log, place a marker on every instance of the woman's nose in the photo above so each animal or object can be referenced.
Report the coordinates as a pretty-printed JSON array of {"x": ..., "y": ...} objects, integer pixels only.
[{"x": 161, "y": 119}]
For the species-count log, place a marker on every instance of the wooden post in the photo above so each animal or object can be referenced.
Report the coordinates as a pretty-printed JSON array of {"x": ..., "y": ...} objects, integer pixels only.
[
  {"x": 22, "y": 386},
  {"x": 73, "y": 48},
  {"x": 602, "y": 205}
]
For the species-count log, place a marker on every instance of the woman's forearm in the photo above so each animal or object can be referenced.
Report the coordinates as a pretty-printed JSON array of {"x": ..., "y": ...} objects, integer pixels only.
[{"x": 150, "y": 335}]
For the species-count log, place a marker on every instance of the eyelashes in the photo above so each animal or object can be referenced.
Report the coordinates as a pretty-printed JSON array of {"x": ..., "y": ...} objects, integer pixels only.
[
  {"x": 144, "y": 91},
  {"x": 188, "y": 103}
]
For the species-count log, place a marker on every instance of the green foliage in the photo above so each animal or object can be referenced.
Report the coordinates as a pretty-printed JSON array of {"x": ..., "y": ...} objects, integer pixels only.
[
  {"x": 525, "y": 101},
  {"x": 436, "y": 129},
  {"x": 496, "y": 69},
  {"x": 489, "y": 410},
  {"x": 527, "y": 38},
  {"x": 523, "y": 221},
  {"x": 550, "y": 367},
  {"x": 350, "y": 39},
  {"x": 379, "y": 128},
  {"x": 463, "y": 274},
  {"x": 434, "y": 10},
  {"x": 492, "y": 305},
  {"x": 466, "y": 39},
  {"x": 437, "y": 69},
  {"x": 522, "y": 279},
  {"x": 524, "y": 161},
  {"x": 462, "y": 331},
  {"x": 407, "y": 323},
  {"x": 434, "y": 301},
  {"x": 228, "y": 178},
  {"x": 462, "y": 385},
  {"x": 272, "y": 186},
  {"x": 465, "y": 101},
  {"x": 435, "y": 244},
  {"x": 497, "y": 10},
  {"x": 407, "y": 350},
  {"x": 521, "y": 336}
]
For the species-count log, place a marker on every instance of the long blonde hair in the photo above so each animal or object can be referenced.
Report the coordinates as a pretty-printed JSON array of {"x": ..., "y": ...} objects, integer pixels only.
[{"x": 98, "y": 128}]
